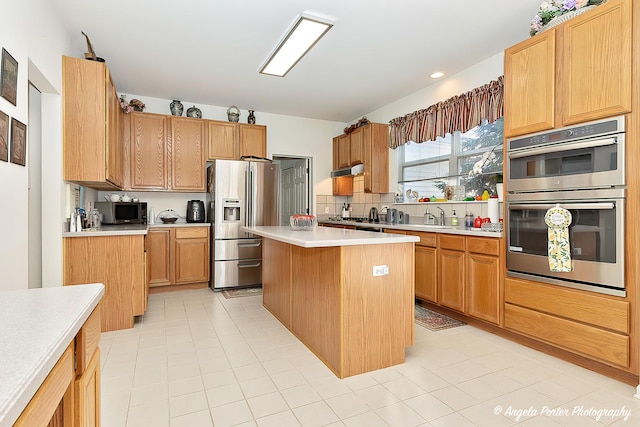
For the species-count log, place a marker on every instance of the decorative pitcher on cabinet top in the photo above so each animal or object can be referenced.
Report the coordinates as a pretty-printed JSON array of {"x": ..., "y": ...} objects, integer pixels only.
[
  {"x": 233, "y": 113},
  {"x": 176, "y": 108}
]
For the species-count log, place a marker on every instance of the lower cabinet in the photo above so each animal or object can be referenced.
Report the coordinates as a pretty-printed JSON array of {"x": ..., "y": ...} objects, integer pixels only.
[
  {"x": 177, "y": 256},
  {"x": 452, "y": 271},
  {"x": 119, "y": 263},
  {"x": 460, "y": 272},
  {"x": 70, "y": 395}
]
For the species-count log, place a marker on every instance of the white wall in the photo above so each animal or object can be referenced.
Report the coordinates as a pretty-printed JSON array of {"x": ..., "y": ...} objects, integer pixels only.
[{"x": 33, "y": 35}]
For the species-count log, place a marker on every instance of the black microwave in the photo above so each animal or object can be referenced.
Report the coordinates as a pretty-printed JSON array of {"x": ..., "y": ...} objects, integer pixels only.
[{"x": 122, "y": 212}]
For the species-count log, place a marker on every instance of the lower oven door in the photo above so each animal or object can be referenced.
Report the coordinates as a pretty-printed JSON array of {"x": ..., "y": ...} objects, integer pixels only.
[{"x": 596, "y": 236}]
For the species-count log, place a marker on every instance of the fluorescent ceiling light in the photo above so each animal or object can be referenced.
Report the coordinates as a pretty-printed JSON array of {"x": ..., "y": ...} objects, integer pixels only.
[
  {"x": 437, "y": 75},
  {"x": 301, "y": 37}
]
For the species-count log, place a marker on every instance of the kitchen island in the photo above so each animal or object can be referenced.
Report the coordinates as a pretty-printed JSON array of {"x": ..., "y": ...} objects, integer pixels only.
[{"x": 347, "y": 295}]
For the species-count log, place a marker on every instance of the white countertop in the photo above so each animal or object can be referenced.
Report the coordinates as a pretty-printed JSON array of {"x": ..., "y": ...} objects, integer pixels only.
[
  {"x": 419, "y": 227},
  {"x": 36, "y": 327},
  {"x": 326, "y": 236},
  {"x": 130, "y": 229}
]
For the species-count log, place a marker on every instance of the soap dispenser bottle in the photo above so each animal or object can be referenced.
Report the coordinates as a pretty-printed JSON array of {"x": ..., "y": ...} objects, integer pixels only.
[{"x": 454, "y": 218}]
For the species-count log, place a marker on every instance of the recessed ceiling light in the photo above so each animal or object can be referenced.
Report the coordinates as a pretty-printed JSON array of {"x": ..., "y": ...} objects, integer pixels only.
[
  {"x": 302, "y": 36},
  {"x": 436, "y": 75}
]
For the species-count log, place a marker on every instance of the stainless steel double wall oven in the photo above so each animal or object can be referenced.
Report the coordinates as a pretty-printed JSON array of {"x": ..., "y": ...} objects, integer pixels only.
[{"x": 582, "y": 169}]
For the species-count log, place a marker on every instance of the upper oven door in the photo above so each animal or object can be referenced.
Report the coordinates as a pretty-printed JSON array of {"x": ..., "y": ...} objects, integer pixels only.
[
  {"x": 584, "y": 156},
  {"x": 596, "y": 236}
]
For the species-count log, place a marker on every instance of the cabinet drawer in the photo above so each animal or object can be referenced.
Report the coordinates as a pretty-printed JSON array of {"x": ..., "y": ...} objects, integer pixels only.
[
  {"x": 490, "y": 246},
  {"x": 597, "y": 343},
  {"x": 87, "y": 341},
  {"x": 237, "y": 249},
  {"x": 191, "y": 232},
  {"x": 569, "y": 303},
  {"x": 448, "y": 241},
  {"x": 426, "y": 239}
]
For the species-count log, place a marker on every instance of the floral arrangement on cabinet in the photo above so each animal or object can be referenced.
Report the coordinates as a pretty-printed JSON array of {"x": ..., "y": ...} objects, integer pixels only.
[
  {"x": 554, "y": 8},
  {"x": 133, "y": 105}
]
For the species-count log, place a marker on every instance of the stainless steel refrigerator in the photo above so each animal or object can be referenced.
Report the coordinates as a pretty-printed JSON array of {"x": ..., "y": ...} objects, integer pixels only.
[{"x": 240, "y": 193}]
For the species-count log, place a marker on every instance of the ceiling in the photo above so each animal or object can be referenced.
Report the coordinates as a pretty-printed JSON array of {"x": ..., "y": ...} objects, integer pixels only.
[{"x": 209, "y": 51}]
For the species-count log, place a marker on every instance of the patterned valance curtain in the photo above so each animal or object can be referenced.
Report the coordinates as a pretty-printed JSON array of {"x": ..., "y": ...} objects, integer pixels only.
[{"x": 460, "y": 113}]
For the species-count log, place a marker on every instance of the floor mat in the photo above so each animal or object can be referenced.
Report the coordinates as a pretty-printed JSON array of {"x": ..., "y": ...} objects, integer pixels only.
[
  {"x": 434, "y": 321},
  {"x": 245, "y": 292}
]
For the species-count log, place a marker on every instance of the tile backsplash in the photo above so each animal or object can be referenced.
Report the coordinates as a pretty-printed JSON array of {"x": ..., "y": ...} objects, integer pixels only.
[{"x": 361, "y": 203}]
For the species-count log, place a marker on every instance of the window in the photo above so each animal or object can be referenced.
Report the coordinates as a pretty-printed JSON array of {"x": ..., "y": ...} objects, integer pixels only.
[{"x": 472, "y": 159}]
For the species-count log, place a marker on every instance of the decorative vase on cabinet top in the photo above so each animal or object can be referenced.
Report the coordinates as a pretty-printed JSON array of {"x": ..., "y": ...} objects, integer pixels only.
[
  {"x": 194, "y": 112},
  {"x": 176, "y": 108},
  {"x": 252, "y": 118}
]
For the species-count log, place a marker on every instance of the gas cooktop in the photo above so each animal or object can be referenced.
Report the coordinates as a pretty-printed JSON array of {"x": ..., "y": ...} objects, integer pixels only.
[{"x": 351, "y": 218}]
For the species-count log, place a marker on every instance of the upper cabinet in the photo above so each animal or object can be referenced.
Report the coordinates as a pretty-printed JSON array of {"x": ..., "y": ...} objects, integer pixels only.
[
  {"x": 148, "y": 148},
  {"x": 167, "y": 153},
  {"x": 187, "y": 147},
  {"x": 576, "y": 72},
  {"x": 92, "y": 125},
  {"x": 369, "y": 145},
  {"x": 375, "y": 157},
  {"x": 223, "y": 140},
  {"x": 342, "y": 154},
  {"x": 229, "y": 140},
  {"x": 253, "y": 140}
]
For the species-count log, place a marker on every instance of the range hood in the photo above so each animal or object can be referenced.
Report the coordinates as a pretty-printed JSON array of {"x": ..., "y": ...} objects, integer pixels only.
[{"x": 350, "y": 171}]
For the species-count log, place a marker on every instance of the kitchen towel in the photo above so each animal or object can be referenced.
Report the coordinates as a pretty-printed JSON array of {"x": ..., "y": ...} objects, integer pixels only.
[
  {"x": 493, "y": 210},
  {"x": 558, "y": 220}
]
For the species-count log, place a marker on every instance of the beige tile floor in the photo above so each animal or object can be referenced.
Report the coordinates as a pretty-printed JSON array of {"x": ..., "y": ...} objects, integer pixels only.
[{"x": 198, "y": 359}]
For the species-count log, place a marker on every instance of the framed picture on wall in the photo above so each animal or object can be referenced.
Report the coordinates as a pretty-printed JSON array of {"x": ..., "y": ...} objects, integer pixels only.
[
  {"x": 4, "y": 137},
  {"x": 9, "y": 78},
  {"x": 18, "y": 142}
]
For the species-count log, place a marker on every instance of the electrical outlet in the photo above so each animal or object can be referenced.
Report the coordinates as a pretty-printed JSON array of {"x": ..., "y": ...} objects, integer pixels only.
[
  {"x": 326, "y": 209},
  {"x": 380, "y": 270}
]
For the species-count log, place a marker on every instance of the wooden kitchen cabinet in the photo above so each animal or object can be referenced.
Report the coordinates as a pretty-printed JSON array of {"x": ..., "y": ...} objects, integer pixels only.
[
  {"x": 576, "y": 72},
  {"x": 426, "y": 266},
  {"x": 188, "y": 157},
  {"x": 178, "y": 256},
  {"x": 91, "y": 125},
  {"x": 231, "y": 141},
  {"x": 253, "y": 140},
  {"x": 222, "y": 140},
  {"x": 529, "y": 87},
  {"x": 167, "y": 153},
  {"x": 191, "y": 260},
  {"x": 149, "y": 149},
  {"x": 157, "y": 246},
  {"x": 595, "y": 62},
  {"x": 343, "y": 185},
  {"x": 451, "y": 278},
  {"x": 375, "y": 151},
  {"x": 483, "y": 279},
  {"x": 356, "y": 142},
  {"x": 87, "y": 394},
  {"x": 342, "y": 157},
  {"x": 118, "y": 263}
]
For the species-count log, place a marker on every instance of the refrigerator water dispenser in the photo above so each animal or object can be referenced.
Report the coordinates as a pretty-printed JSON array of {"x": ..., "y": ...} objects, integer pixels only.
[{"x": 231, "y": 210}]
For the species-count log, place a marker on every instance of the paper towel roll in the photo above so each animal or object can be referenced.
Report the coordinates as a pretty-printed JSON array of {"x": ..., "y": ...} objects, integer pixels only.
[{"x": 493, "y": 211}]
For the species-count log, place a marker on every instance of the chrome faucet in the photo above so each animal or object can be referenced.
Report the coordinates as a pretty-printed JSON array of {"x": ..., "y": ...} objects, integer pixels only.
[{"x": 441, "y": 215}]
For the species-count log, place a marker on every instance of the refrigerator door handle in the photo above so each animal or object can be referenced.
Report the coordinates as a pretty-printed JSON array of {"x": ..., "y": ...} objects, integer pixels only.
[{"x": 249, "y": 197}]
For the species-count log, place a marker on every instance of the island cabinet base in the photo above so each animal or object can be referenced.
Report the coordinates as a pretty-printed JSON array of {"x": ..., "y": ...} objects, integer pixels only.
[{"x": 328, "y": 297}]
